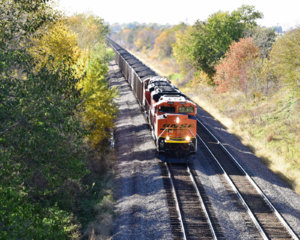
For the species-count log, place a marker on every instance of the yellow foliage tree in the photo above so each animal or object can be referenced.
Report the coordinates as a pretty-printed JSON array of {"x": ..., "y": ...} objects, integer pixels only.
[
  {"x": 164, "y": 42},
  {"x": 99, "y": 110},
  {"x": 90, "y": 29},
  {"x": 56, "y": 45},
  {"x": 182, "y": 49}
]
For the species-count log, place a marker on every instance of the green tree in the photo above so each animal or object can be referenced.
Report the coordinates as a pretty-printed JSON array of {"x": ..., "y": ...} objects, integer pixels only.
[
  {"x": 285, "y": 60},
  {"x": 42, "y": 137},
  {"x": 210, "y": 40},
  {"x": 37, "y": 125},
  {"x": 183, "y": 50}
]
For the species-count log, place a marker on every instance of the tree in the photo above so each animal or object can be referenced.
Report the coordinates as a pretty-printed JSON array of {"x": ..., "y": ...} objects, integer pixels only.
[
  {"x": 232, "y": 72},
  {"x": 128, "y": 35},
  {"x": 210, "y": 40},
  {"x": 98, "y": 108},
  {"x": 56, "y": 46},
  {"x": 285, "y": 59},
  {"x": 42, "y": 138},
  {"x": 183, "y": 49},
  {"x": 146, "y": 38},
  {"x": 90, "y": 30},
  {"x": 164, "y": 42},
  {"x": 38, "y": 150},
  {"x": 263, "y": 38}
]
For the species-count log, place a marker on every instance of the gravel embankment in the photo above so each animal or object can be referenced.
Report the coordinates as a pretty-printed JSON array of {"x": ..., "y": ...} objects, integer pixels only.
[{"x": 141, "y": 207}]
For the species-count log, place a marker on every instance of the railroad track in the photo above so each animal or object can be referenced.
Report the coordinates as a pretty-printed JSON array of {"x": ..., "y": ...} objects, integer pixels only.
[
  {"x": 268, "y": 221},
  {"x": 190, "y": 211}
]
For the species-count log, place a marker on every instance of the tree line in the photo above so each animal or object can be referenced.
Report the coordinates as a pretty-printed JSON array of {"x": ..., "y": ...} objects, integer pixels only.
[
  {"x": 229, "y": 50},
  {"x": 56, "y": 113}
]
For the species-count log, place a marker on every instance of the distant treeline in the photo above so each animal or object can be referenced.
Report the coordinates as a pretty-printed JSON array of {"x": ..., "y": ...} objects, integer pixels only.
[{"x": 228, "y": 50}]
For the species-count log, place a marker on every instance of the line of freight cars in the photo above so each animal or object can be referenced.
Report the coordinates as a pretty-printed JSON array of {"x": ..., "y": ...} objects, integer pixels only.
[{"x": 170, "y": 114}]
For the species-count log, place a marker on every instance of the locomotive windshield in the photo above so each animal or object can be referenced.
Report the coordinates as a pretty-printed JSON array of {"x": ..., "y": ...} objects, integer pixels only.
[
  {"x": 166, "y": 109},
  {"x": 185, "y": 109}
]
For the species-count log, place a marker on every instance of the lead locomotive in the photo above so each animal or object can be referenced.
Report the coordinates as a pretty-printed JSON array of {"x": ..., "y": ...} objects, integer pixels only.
[{"x": 170, "y": 113}]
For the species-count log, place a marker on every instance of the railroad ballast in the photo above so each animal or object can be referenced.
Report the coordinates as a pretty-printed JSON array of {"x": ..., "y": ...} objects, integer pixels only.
[{"x": 169, "y": 112}]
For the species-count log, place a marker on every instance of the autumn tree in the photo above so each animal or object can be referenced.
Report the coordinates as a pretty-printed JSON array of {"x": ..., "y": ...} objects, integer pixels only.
[
  {"x": 90, "y": 30},
  {"x": 98, "y": 108},
  {"x": 232, "y": 72},
  {"x": 128, "y": 35},
  {"x": 163, "y": 46},
  {"x": 58, "y": 44},
  {"x": 146, "y": 38}
]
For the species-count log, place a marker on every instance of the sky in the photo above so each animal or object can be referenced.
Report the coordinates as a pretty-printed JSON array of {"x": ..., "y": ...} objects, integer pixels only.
[{"x": 285, "y": 13}]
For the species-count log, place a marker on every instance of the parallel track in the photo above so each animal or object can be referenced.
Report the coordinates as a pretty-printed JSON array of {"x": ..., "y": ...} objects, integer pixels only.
[{"x": 267, "y": 219}]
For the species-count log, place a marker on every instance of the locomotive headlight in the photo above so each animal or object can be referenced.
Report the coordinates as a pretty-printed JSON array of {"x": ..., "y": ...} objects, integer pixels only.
[
  {"x": 188, "y": 138},
  {"x": 167, "y": 138},
  {"x": 177, "y": 120}
]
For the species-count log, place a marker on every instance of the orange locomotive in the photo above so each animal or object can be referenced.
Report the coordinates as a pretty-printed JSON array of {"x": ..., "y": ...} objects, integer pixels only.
[{"x": 171, "y": 115}]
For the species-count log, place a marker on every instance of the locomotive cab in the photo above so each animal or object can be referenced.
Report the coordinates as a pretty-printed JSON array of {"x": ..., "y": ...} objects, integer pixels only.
[{"x": 175, "y": 124}]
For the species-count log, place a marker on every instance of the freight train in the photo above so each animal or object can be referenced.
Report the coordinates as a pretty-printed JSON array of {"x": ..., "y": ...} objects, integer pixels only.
[{"x": 171, "y": 115}]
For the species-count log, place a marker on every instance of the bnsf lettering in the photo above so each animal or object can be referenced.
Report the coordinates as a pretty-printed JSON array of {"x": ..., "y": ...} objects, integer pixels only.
[{"x": 175, "y": 126}]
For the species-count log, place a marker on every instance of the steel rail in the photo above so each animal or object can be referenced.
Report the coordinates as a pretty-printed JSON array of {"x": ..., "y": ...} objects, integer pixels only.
[
  {"x": 278, "y": 215},
  {"x": 176, "y": 202},
  {"x": 202, "y": 204},
  {"x": 252, "y": 216}
]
